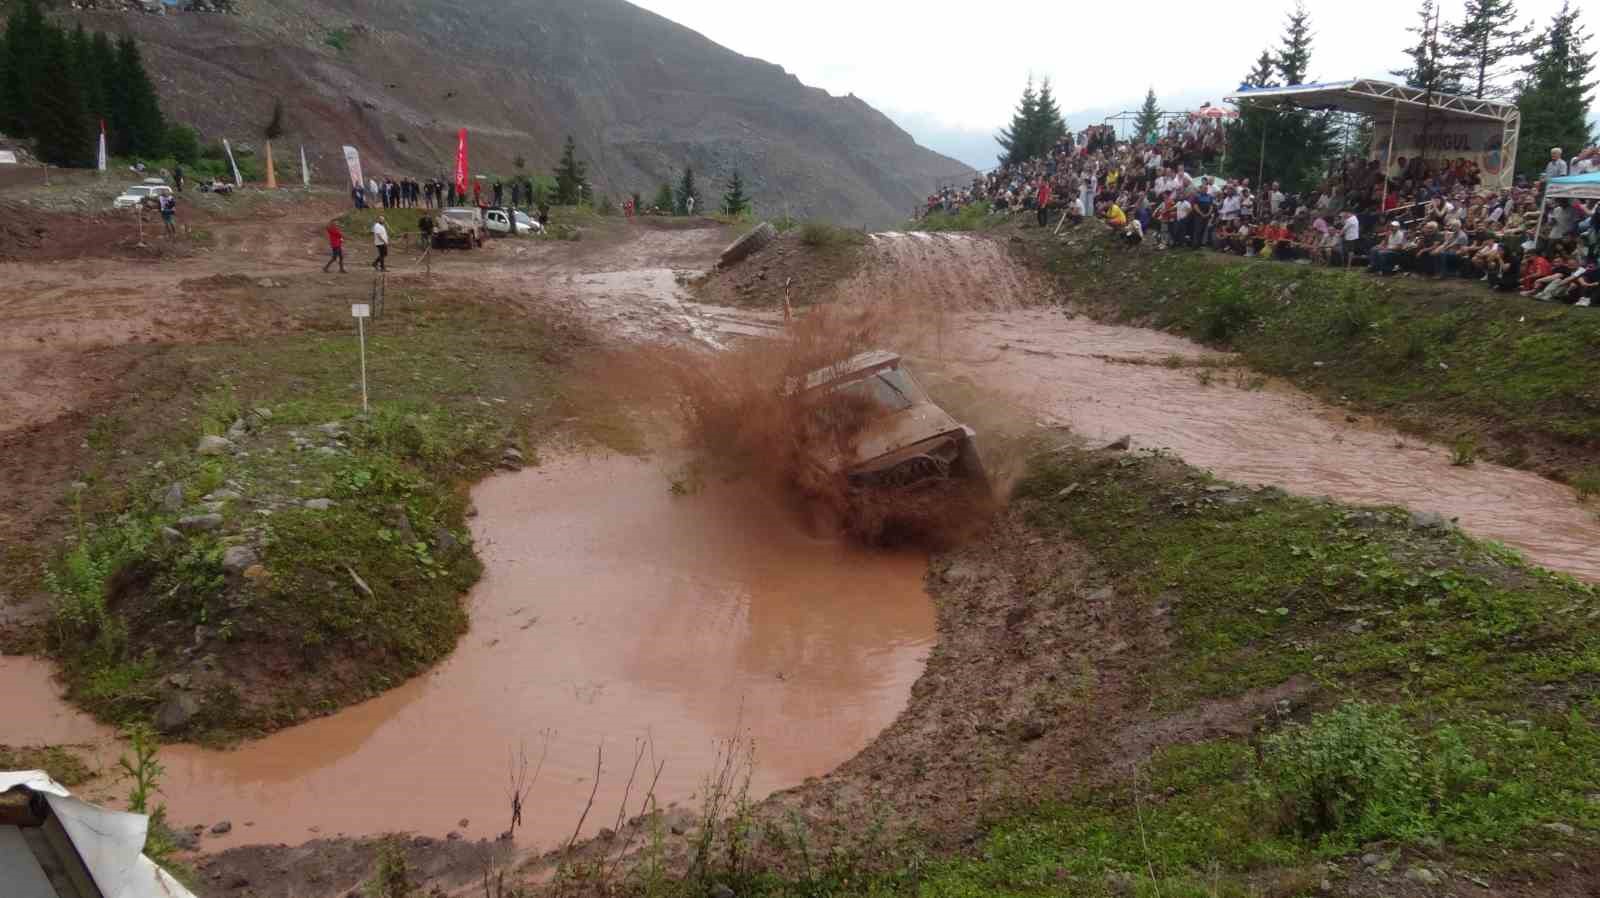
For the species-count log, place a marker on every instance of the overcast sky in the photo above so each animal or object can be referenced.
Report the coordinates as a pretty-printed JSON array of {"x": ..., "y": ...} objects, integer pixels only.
[{"x": 950, "y": 72}]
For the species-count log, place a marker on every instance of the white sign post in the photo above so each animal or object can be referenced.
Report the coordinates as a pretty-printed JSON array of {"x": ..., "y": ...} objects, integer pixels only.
[{"x": 361, "y": 312}]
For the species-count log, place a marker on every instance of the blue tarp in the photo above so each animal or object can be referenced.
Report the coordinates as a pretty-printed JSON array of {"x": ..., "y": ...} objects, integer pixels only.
[{"x": 1584, "y": 186}]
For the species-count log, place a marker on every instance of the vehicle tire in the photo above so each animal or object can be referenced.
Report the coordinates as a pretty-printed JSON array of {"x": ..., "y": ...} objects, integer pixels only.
[{"x": 747, "y": 245}]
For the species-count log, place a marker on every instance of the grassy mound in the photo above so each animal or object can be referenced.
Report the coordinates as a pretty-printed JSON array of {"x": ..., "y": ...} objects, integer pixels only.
[{"x": 320, "y": 556}]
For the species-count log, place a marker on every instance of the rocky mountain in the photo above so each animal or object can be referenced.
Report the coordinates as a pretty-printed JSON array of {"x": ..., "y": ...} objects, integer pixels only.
[{"x": 643, "y": 97}]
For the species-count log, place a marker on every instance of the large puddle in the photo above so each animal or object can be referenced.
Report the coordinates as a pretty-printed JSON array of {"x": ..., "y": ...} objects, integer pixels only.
[{"x": 611, "y": 612}]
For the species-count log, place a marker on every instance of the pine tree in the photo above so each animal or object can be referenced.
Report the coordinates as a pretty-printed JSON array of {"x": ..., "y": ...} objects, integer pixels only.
[
  {"x": 145, "y": 128},
  {"x": 274, "y": 128},
  {"x": 60, "y": 121},
  {"x": 1431, "y": 68},
  {"x": 1554, "y": 95},
  {"x": 102, "y": 68},
  {"x": 686, "y": 189},
  {"x": 1018, "y": 139},
  {"x": 1297, "y": 143},
  {"x": 1147, "y": 127},
  {"x": 663, "y": 200},
  {"x": 734, "y": 202},
  {"x": 1484, "y": 39},
  {"x": 572, "y": 176},
  {"x": 1264, "y": 74},
  {"x": 25, "y": 48},
  {"x": 1293, "y": 60},
  {"x": 1048, "y": 124}
]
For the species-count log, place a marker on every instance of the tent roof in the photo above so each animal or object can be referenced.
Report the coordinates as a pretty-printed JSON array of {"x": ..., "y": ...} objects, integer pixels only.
[
  {"x": 1585, "y": 186},
  {"x": 1376, "y": 98}
]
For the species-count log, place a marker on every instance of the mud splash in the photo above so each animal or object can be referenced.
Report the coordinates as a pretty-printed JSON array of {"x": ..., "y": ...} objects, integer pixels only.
[
  {"x": 1104, "y": 382},
  {"x": 611, "y": 612}
]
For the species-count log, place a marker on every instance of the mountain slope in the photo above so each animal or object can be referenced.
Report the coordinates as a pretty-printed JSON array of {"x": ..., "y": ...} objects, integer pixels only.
[{"x": 642, "y": 96}]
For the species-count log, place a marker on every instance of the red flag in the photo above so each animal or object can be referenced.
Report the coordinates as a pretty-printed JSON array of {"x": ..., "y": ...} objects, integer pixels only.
[{"x": 461, "y": 162}]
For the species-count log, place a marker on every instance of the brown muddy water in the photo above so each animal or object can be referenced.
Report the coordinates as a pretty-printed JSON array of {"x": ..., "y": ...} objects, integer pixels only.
[
  {"x": 980, "y": 322},
  {"x": 611, "y": 612}
]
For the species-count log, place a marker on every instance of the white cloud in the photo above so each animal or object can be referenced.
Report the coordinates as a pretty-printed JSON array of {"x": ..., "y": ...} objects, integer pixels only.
[{"x": 948, "y": 71}]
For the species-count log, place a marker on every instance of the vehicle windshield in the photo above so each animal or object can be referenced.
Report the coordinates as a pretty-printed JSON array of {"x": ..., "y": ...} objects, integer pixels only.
[{"x": 890, "y": 389}]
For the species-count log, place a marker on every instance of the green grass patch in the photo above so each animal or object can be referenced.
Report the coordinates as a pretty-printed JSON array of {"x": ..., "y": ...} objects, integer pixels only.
[
  {"x": 63, "y": 766},
  {"x": 972, "y": 217},
  {"x": 344, "y": 600},
  {"x": 821, "y": 235}
]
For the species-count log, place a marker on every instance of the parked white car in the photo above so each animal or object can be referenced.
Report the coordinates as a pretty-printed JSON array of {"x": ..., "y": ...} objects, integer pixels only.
[
  {"x": 141, "y": 194},
  {"x": 496, "y": 222}
]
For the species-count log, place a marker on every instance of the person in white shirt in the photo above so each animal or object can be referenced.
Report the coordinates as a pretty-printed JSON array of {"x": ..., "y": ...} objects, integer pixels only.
[
  {"x": 1349, "y": 238},
  {"x": 1383, "y": 260},
  {"x": 1230, "y": 206},
  {"x": 1180, "y": 223},
  {"x": 380, "y": 239}
]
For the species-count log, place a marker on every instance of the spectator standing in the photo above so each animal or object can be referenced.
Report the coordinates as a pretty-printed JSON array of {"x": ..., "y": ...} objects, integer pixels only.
[
  {"x": 1557, "y": 167},
  {"x": 335, "y": 247},
  {"x": 177, "y": 178},
  {"x": 168, "y": 205},
  {"x": 1349, "y": 238},
  {"x": 1042, "y": 199},
  {"x": 380, "y": 240}
]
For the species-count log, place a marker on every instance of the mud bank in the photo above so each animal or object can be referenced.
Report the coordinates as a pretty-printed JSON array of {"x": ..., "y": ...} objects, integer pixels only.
[{"x": 612, "y": 614}]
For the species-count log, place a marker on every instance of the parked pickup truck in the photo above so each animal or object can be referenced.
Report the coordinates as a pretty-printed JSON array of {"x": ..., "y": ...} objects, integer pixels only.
[{"x": 461, "y": 227}]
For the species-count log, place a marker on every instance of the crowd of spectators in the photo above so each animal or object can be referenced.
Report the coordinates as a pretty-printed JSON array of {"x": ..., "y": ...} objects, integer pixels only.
[{"x": 1434, "y": 218}]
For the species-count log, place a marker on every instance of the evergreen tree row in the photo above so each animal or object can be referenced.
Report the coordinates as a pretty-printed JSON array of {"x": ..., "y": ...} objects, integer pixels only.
[
  {"x": 56, "y": 86},
  {"x": 1035, "y": 127}
]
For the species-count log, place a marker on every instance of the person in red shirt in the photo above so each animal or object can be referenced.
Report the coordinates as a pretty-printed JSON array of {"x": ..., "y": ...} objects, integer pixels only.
[
  {"x": 335, "y": 247},
  {"x": 1043, "y": 202}
]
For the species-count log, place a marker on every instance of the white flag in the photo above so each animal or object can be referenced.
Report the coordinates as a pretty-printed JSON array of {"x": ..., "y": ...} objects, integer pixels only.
[
  {"x": 305, "y": 170},
  {"x": 100, "y": 162},
  {"x": 352, "y": 161},
  {"x": 237, "y": 181}
]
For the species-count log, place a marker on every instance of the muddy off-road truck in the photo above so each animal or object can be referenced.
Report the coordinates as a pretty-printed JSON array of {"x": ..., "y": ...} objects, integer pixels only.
[
  {"x": 907, "y": 440},
  {"x": 461, "y": 227}
]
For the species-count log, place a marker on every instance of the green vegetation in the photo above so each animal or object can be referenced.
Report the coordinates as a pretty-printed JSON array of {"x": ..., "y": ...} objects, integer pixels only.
[
  {"x": 687, "y": 193},
  {"x": 62, "y": 765},
  {"x": 734, "y": 203},
  {"x": 821, "y": 235},
  {"x": 972, "y": 217},
  {"x": 58, "y": 85},
  {"x": 1553, "y": 95},
  {"x": 339, "y": 39},
  {"x": 571, "y": 176},
  {"x": 352, "y": 594},
  {"x": 1035, "y": 126},
  {"x": 1436, "y": 358}
]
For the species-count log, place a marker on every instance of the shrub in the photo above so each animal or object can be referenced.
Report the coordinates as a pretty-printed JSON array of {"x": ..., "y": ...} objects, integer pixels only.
[
  {"x": 183, "y": 144},
  {"x": 972, "y": 217},
  {"x": 1225, "y": 318},
  {"x": 1587, "y": 483},
  {"x": 338, "y": 39},
  {"x": 1464, "y": 453},
  {"x": 1355, "y": 770},
  {"x": 818, "y": 235}
]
